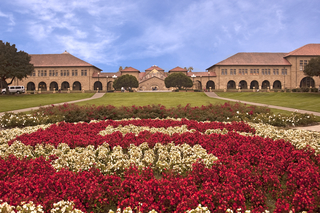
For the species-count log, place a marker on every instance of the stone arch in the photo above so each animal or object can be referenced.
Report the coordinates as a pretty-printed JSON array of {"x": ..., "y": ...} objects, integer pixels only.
[
  {"x": 76, "y": 85},
  {"x": 243, "y": 84},
  {"x": 198, "y": 85},
  {"x": 231, "y": 84},
  {"x": 43, "y": 86},
  {"x": 254, "y": 84},
  {"x": 265, "y": 84},
  {"x": 65, "y": 85},
  {"x": 307, "y": 82},
  {"x": 31, "y": 86},
  {"x": 210, "y": 84},
  {"x": 97, "y": 85},
  {"x": 109, "y": 86},
  {"x": 277, "y": 84},
  {"x": 54, "y": 85}
]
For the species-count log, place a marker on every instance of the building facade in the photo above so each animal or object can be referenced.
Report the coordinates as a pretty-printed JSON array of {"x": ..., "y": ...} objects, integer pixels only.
[
  {"x": 266, "y": 70},
  {"x": 53, "y": 72}
]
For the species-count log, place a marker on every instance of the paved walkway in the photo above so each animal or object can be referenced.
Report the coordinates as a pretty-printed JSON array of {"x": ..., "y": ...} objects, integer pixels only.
[
  {"x": 95, "y": 96},
  {"x": 311, "y": 128}
]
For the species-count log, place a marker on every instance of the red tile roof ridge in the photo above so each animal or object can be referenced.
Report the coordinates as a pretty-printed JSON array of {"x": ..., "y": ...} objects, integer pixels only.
[
  {"x": 58, "y": 60},
  {"x": 130, "y": 69},
  {"x": 312, "y": 49},
  {"x": 255, "y": 58},
  {"x": 154, "y": 67},
  {"x": 178, "y": 69}
]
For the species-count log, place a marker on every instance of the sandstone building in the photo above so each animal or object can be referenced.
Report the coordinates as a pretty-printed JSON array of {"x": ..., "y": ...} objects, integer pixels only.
[{"x": 245, "y": 70}]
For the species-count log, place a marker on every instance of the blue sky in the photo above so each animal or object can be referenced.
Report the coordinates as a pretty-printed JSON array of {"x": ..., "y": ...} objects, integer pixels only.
[{"x": 167, "y": 33}]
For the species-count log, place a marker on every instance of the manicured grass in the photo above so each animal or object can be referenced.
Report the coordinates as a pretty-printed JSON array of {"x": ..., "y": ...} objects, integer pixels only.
[
  {"x": 168, "y": 99},
  {"x": 14, "y": 102},
  {"x": 304, "y": 101}
]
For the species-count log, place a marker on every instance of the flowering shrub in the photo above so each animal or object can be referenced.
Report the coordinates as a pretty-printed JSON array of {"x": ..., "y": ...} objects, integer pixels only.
[
  {"x": 220, "y": 112},
  {"x": 249, "y": 169}
]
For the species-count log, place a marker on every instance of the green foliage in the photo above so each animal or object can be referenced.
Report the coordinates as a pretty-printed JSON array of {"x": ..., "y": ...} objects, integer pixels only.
[
  {"x": 126, "y": 81},
  {"x": 313, "y": 67},
  {"x": 13, "y": 64},
  {"x": 178, "y": 80}
]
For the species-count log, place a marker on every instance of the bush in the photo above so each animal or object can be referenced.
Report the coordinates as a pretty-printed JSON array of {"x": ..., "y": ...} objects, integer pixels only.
[{"x": 305, "y": 89}]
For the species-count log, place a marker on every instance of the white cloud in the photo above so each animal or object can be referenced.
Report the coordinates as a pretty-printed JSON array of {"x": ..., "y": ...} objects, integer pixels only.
[{"x": 9, "y": 17}]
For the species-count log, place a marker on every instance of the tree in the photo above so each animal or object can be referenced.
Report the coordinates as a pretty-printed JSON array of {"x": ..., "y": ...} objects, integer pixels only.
[
  {"x": 13, "y": 64},
  {"x": 178, "y": 80},
  {"x": 190, "y": 69},
  {"x": 313, "y": 67},
  {"x": 126, "y": 81},
  {"x": 120, "y": 68}
]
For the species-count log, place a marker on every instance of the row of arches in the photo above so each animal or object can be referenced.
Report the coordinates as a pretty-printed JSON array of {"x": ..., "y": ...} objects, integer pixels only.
[
  {"x": 54, "y": 85},
  {"x": 98, "y": 86},
  {"x": 65, "y": 86},
  {"x": 305, "y": 82}
]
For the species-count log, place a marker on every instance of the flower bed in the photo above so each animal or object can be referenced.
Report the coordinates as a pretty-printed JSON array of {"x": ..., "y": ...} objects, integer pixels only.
[
  {"x": 163, "y": 165},
  {"x": 219, "y": 112}
]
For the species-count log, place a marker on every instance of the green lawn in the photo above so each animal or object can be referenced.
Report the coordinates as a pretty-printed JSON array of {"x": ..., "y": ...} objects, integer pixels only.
[
  {"x": 14, "y": 102},
  {"x": 304, "y": 101},
  {"x": 168, "y": 99}
]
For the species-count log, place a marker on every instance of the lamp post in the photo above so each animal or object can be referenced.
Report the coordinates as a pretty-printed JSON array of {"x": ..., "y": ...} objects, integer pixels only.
[
  {"x": 193, "y": 76},
  {"x": 114, "y": 77},
  {"x": 98, "y": 81},
  {"x": 107, "y": 83}
]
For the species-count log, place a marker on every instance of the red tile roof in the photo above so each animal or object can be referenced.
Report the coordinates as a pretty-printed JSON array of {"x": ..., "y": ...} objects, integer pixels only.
[
  {"x": 202, "y": 74},
  {"x": 58, "y": 60},
  {"x": 255, "y": 59},
  {"x": 154, "y": 67},
  {"x": 130, "y": 69},
  {"x": 178, "y": 69},
  {"x": 306, "y": 50},
  {"x": 141, "y": 75}
]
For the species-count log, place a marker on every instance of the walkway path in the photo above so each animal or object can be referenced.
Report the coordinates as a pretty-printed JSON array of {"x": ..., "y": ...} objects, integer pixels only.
[
  {"x": 312, "y": 128},
  {"x": 95, "y": 96}
]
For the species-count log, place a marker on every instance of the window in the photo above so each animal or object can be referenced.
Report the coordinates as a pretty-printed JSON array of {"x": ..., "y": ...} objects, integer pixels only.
[
  {"x": 45, "y": 73},
  {"x": 233, "y": 72},
  {"x": 284, "y": 71},
  {"x": 53, "y": 72},
  {"x": 224, "y": 72},
  {"x": 33, "y": 73},
  {"x": 74, "y": 72},
  {"x": 265, "y": 71},
  {"x": 83, "y": 72},
  {"x": 243, "y": 71},
  {"x": 64, "y": 72},
  {"x": 303, "y": 63},
  {"x": 39, "y": 72},
  {"x": 254, "y": 71},
  {"x": 275, "y": 71}
]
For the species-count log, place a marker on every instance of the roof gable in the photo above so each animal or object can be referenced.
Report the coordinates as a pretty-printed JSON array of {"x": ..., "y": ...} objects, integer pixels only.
[
  {"x": 58, "y": 60},
  {"x": 178, "y": 69},
  {"x": 306, "y": 50},
  {"x": 154, "y": 67},
  {"x": 130, "y": 69}
]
